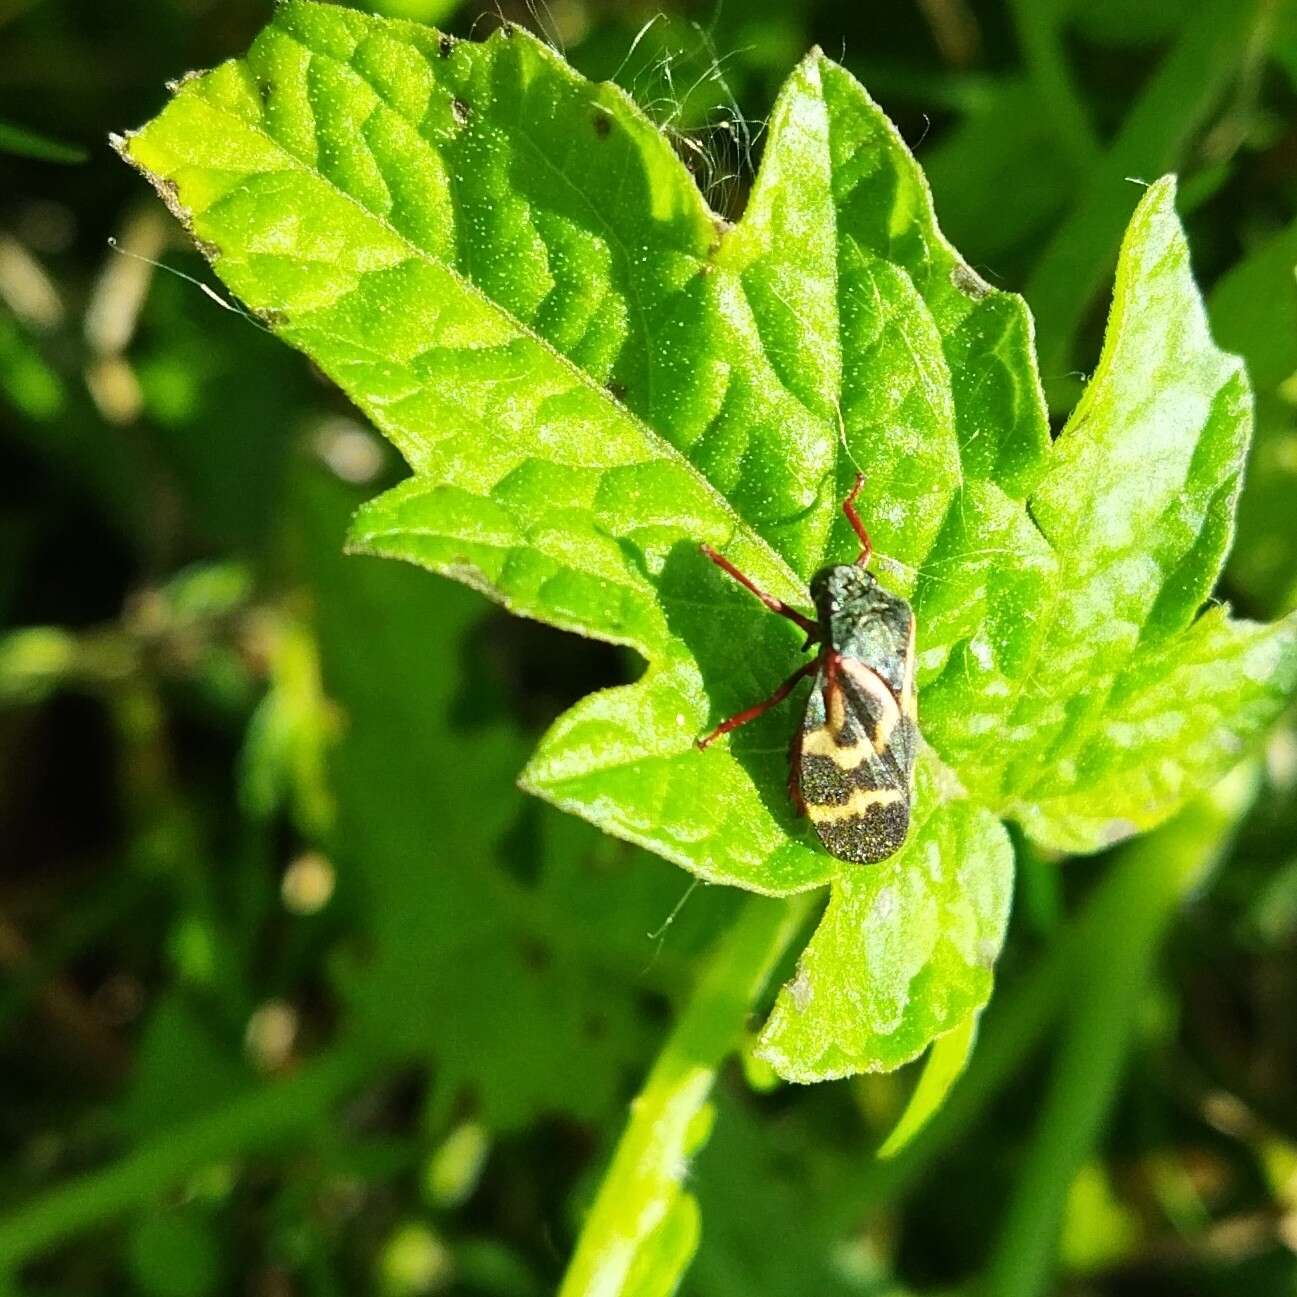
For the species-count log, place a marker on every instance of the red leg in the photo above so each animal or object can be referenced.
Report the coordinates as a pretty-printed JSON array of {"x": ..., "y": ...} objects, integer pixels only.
[
  {"x": 849, "y": 508},
  {"x": 757, "y": 709},
  {"x": 775, "y": 605},
  {"x": 794, "y": 773}
]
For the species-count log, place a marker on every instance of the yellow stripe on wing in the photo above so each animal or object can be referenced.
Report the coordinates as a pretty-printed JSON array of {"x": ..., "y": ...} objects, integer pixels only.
[
  {"x": 856, "y": 805},
  {"x": 821, "y": 743},
  {"x": 870, "y": 683}
]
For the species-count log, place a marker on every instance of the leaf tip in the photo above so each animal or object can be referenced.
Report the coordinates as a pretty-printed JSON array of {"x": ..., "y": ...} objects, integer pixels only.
[
  {"x": 814, "y": 60},
  {"x": 177, "y": 84},
  {"x": 1158, "y": 197}
]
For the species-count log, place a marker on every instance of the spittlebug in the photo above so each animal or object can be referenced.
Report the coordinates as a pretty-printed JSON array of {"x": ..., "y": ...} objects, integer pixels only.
[{"x": 852, "y": 761}]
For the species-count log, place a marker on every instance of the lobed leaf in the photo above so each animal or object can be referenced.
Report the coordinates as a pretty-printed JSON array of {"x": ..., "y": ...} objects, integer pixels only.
[
  {"x": 1175, "y": 721},
  {"x": 943, "y": 1067},
  {"x": 1138, "y": 502},
  {"x": 590, "y": 373}
]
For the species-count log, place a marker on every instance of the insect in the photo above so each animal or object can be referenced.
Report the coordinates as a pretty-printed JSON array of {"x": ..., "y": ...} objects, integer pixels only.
[{"x": 852, "y": 761}]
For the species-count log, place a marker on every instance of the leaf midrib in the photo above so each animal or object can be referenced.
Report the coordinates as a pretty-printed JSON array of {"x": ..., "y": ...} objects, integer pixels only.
[
  {"x": 814, "y": 61},
  {"x": 669, "y": 452}
]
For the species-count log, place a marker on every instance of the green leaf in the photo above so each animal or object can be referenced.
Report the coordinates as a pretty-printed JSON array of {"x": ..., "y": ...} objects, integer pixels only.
[
  {"x": 758, "y": 1176},
  {"x": 184, "y": 1066},
  {"x": 175, "y": 1253},
  {"x": 904, "y": 952},
  {"x": 1174, "y": 106},
  {"x": 1139, "y": 502},
  {"x": 513, "y": 971},
  {"x": 286, "y": 748},
  {"x": 26, "y": 381},
  {"x": 590, "y": 373},
  {"x": 1175, "y": 721},
  {"x": 423, "y": 11},
  {"x": 1011, "y": 136},
  {"x": 226, "y": 441}
]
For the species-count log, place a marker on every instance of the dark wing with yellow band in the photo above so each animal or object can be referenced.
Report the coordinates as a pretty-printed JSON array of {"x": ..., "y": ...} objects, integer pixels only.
[{"x": 856, "y": 758}]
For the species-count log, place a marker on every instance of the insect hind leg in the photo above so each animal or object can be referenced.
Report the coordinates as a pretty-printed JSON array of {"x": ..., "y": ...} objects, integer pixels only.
[
  {"x": 795, "y": 773},
  {"x": 759, "y": 709}
]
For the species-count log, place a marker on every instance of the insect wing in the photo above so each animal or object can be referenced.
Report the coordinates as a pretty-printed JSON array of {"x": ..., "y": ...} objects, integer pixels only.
[{"x": 856, "y": 761}]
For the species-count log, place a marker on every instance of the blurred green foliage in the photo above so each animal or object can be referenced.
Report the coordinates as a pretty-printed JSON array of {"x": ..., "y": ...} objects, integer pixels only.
[{"x": 276, "y": 929}]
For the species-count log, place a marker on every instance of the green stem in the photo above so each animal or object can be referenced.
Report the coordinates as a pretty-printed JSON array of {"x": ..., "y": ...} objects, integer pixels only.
[
  {"x": 1187, "y": 85},
  {"x": 1042, "y": 49},
  {"x": 1110, "y": 985},
  {"x": 641, "y": 1220},
  {"x": 249, "y": 1124}
]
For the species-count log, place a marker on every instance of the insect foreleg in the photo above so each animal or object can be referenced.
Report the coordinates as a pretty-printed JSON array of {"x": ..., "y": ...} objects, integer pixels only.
[
  {"x": 849, "y": 508},
  {"x": 808, "y": 624}
]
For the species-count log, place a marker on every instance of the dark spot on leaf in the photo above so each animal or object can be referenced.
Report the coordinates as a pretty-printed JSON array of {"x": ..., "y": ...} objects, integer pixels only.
[
  {"x": 506, "y": 30},
  {"x": 617, "y": 390},
  {"x": 461, "y": 110},
  {"x": 602, "y": 125},
  {"x": 265, "y": 89},
  {"x": 535, "y": 954},
  {"x": 446, "y": 46},
  {"x": 595, "y": 1027}
]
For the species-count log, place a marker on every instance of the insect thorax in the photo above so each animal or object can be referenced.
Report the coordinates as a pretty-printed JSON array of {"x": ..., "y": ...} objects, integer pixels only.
[{"x": 859, "y": 619}]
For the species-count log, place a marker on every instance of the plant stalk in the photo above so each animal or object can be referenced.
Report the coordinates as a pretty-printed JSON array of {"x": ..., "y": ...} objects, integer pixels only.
[
  {"x": 642, "y": 1226},
  {"x": 1159, "y": 871}
]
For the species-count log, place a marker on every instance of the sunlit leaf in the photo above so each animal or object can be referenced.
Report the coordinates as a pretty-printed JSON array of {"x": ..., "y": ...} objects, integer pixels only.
[{"x": 589, "y": 373}]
